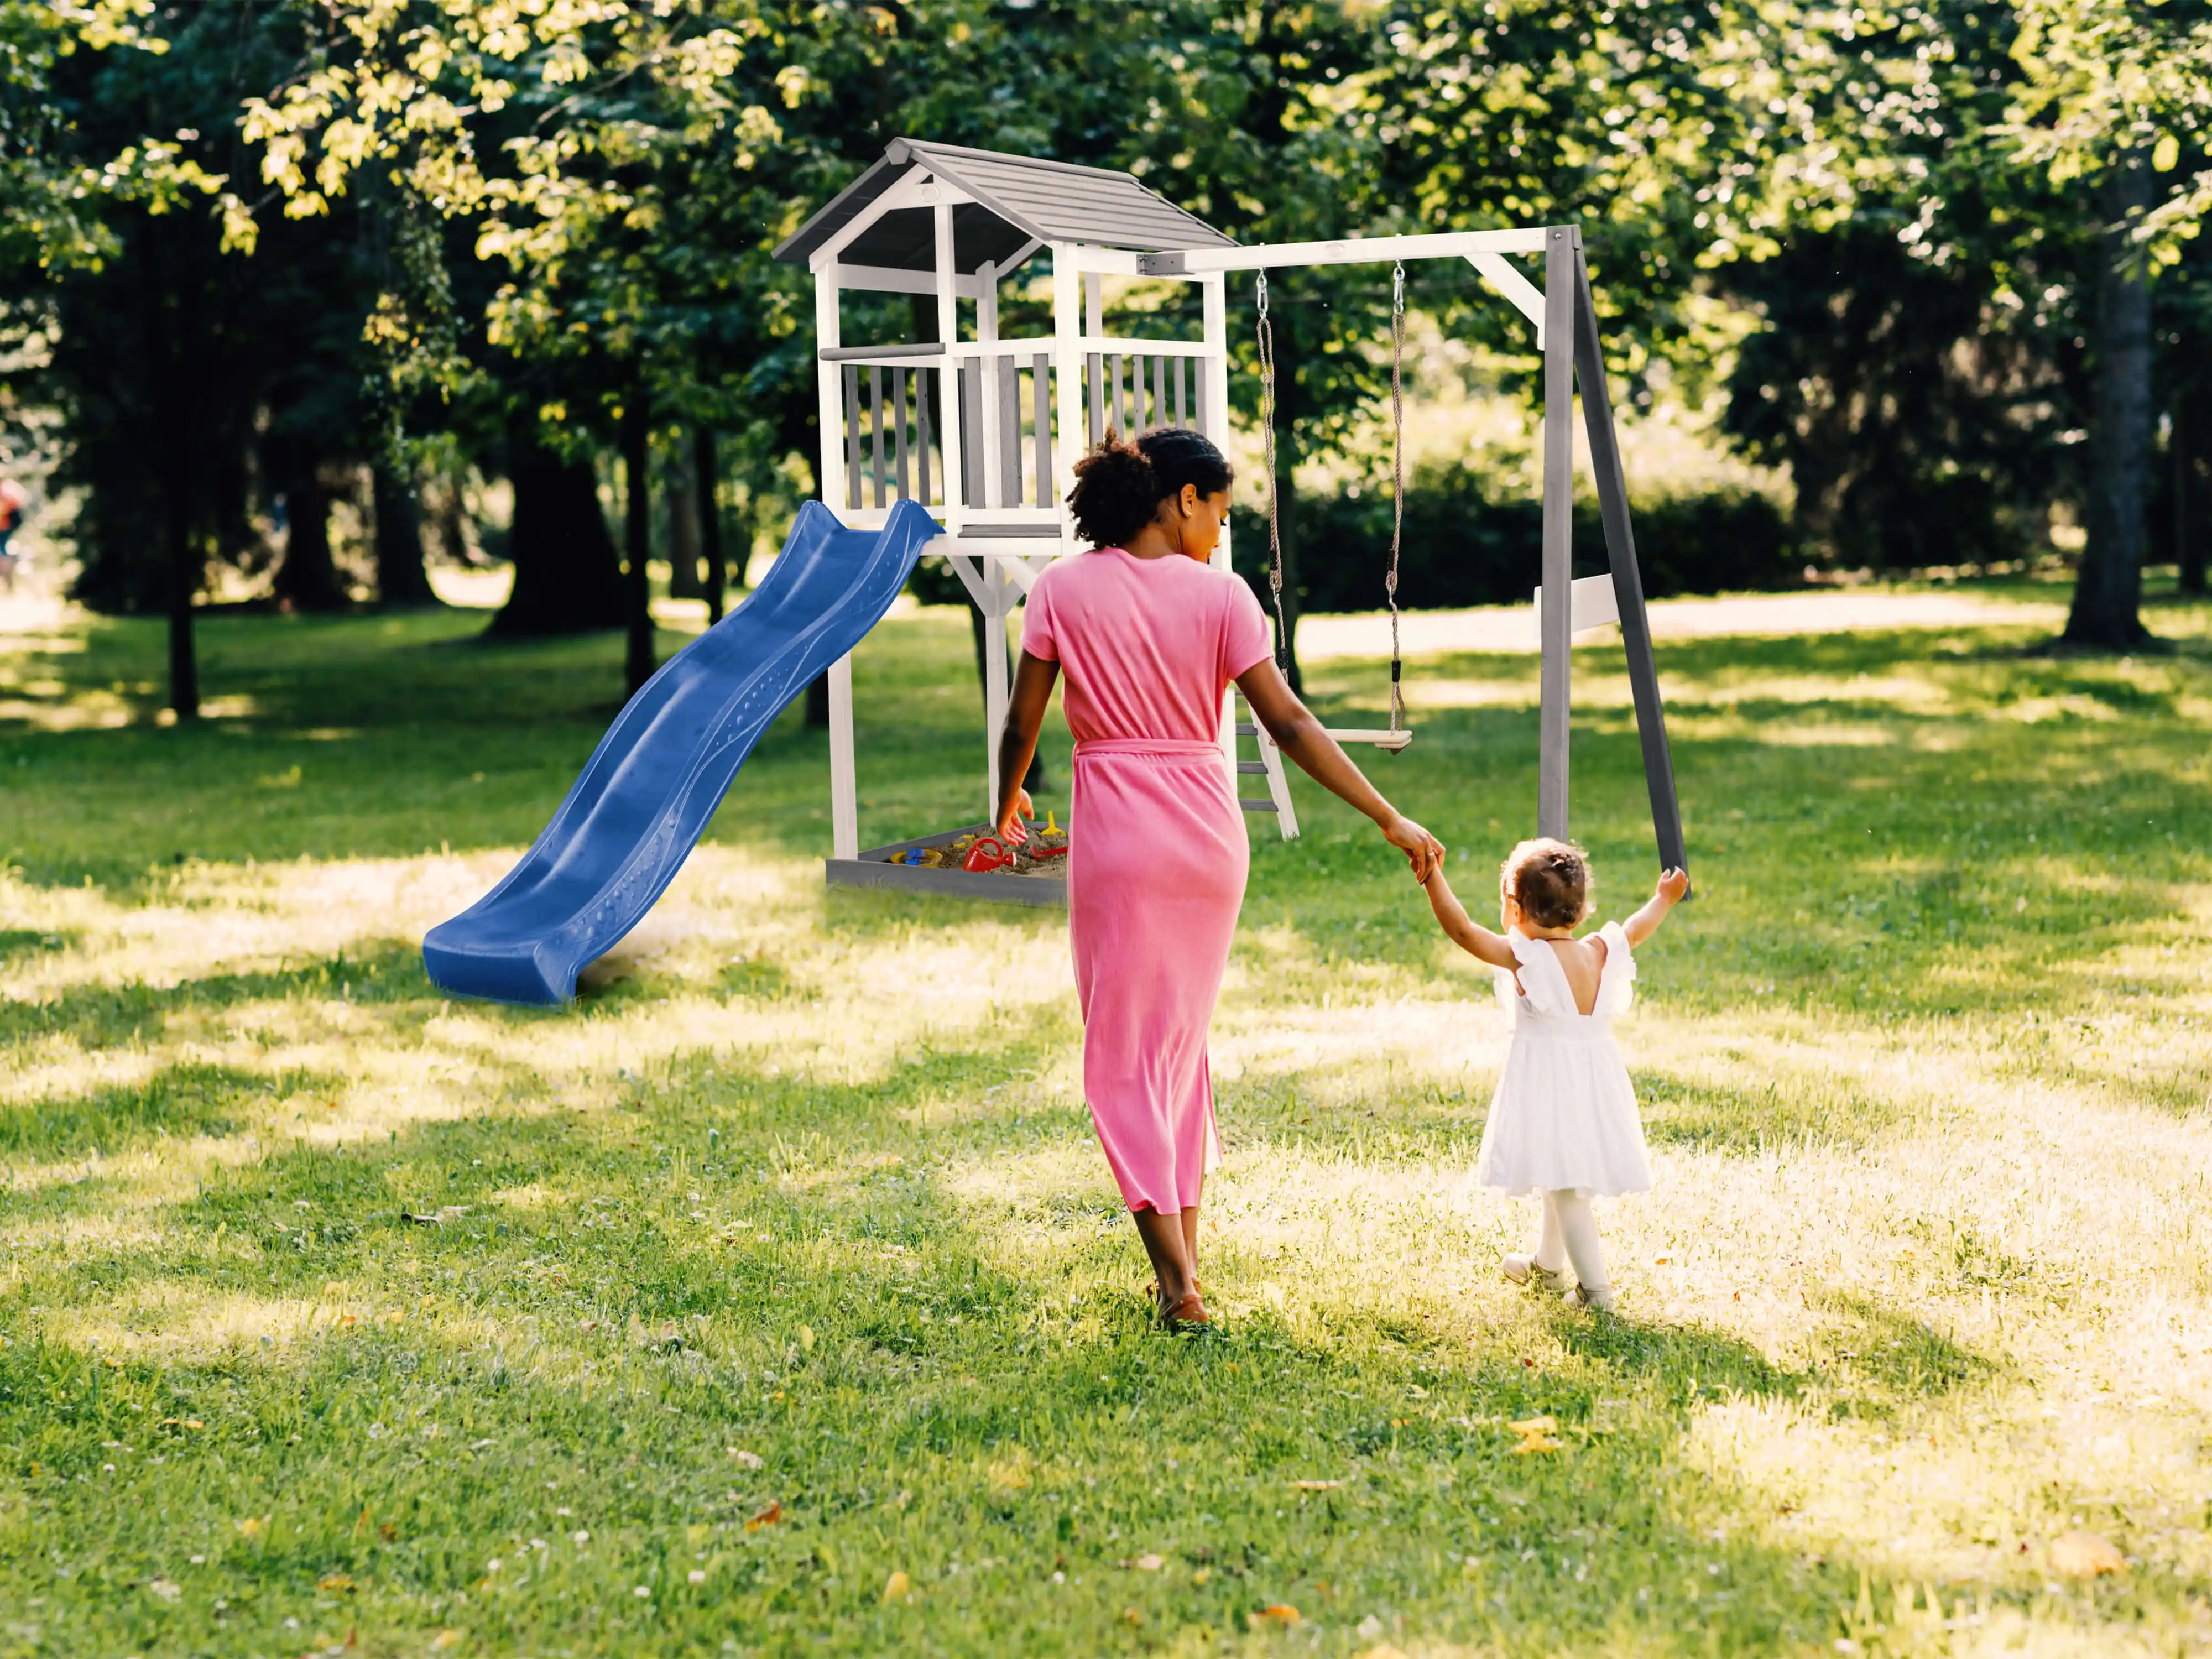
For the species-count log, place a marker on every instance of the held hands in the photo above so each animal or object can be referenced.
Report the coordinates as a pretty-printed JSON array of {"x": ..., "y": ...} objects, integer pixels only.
[
  {"x": 1010, "y": 822},
  {"x": 1423, "y": 851}
]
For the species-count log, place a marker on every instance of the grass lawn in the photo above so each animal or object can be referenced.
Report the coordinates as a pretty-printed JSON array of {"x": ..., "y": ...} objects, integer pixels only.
[{"x": 775, "y": 1298}]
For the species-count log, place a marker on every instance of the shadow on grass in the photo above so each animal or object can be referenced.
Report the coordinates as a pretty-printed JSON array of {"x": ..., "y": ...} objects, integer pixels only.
[
  {"x": 190, "y": 1099},
  {"x": 98, "y": 1016}
]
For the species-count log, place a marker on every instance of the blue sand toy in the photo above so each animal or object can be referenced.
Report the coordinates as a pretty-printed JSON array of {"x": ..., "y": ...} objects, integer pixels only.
[{"x": 645, "y": 796}]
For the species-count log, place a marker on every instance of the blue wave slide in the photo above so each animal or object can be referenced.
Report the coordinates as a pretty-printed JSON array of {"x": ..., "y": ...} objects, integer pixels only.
[{"x": 645, "y": 796}]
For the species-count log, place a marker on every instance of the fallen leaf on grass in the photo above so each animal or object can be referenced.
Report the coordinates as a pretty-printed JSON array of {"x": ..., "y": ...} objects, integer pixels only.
[
  {"x": 767, "y": 1517},
  {"x": 1535, "y": 1425},
  {"x": 337, "y": 1580},
  {"x": 1145, "y": 1563},
  {"x": 1131, "y": 1616},
  {"x": 446, "y": 1638},
  {"x": 897, "y": 1587},
  {"x": 2085, "y": 1555},
  {"x": 251, "y": 1526},
  {"x": 1280, "y": 1613},
  {"x": 1316, "y": 1485},
  {"x": 1535, "y": 1443}
]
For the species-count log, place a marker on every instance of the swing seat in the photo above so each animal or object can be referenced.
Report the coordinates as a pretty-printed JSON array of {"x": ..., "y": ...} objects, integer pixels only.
[{"x": 1380, "y": 737}]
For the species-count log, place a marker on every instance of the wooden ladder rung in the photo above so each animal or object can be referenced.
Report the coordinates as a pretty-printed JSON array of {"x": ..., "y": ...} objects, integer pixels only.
[
  {"x": 1257, "y": 768},
  {"x": 1252, "y": 806},
  {"x": 1246, "y": 729}
]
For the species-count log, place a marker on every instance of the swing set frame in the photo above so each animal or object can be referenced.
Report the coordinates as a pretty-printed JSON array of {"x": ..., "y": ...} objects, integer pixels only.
[{"x": 1005, "y": 420}]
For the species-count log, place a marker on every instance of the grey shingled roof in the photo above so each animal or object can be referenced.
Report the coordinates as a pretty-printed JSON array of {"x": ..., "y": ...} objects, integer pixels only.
[{"x": 1017, "y": 198}]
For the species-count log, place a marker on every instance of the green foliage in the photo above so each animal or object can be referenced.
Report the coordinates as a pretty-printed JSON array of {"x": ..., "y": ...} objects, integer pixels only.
[{"x": 1471, "y": 539}]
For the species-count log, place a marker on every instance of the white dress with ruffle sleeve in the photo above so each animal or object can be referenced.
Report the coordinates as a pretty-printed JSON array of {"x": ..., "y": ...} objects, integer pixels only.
[{"x": 1565, "y": 1114}]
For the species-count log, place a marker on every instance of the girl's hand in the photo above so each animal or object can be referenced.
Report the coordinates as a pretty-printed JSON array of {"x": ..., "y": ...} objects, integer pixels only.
[
  {"x": 1423, "y": 851},
  {"x": 1673, "y": 884},
  {"x": 1010, "y": 826}
]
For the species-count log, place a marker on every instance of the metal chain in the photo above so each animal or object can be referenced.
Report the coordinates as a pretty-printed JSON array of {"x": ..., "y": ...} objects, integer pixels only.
[
  {"x": 1266, "y": 342},
  {"x": 1397, "y": 481}
]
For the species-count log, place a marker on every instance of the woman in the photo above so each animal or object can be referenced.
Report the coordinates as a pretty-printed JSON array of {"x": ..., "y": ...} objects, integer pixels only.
[{"x": 1151, "y": 636}]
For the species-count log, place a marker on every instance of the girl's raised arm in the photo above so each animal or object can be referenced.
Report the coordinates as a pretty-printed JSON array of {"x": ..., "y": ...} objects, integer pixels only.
[
  {"x": 1470, "y": 935},
  {"x": 1645, "y": 922}
]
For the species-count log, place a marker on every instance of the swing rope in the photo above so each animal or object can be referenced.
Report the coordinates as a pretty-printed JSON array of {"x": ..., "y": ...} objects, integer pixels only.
[
  {"x": 1265, "y": 333},
  {"x": 1397, "y": 483},
  {"x": 1266, "y": 342}
]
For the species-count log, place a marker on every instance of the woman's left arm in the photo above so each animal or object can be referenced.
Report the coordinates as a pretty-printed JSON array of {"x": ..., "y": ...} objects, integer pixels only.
[
  {"x": 1033, "y": 682},
  {"x": 1300, "y": 736}
]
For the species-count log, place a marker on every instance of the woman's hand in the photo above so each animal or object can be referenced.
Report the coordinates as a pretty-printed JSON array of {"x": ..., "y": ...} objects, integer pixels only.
[
  {"x": 1423, "y": 850},
  {"x": 1010, "y": 823}
]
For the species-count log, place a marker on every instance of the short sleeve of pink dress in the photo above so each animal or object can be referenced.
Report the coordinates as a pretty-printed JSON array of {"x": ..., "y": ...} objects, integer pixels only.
[{"x": 1157, "y": 855}]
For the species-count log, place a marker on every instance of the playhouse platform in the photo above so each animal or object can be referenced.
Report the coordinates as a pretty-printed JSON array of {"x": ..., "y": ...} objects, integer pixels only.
[{"x": 874, "y": 868}]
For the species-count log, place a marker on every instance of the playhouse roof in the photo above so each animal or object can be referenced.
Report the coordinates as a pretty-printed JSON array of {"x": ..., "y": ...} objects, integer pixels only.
[{"x": 1018, "y": 199}]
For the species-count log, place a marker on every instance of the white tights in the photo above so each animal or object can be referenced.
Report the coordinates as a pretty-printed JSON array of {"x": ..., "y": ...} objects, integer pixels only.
[{"x": 1569, "y": 1234}]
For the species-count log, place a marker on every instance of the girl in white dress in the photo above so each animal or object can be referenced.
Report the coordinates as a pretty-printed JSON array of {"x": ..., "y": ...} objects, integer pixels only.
[{"x": 1564, "y": 1123}]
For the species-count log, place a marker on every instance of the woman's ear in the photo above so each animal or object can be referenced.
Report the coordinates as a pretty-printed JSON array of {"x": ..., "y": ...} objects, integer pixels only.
[{"x": 1188, "y": 500}]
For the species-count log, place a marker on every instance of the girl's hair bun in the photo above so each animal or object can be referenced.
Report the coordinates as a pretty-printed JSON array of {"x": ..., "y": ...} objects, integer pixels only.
[
  {"x": 1550, "y": 880},
  {"x": 1120, "y": 484}
]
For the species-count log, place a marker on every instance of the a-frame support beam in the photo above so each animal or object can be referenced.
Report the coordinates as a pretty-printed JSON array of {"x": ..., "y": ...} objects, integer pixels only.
[{"x": 1572, "y": 357}]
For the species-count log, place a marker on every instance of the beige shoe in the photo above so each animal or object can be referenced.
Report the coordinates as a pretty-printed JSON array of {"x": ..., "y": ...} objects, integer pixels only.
[
  {"x": 1521, "y": 1269},
  {"x": 1583, "y": 1297}
]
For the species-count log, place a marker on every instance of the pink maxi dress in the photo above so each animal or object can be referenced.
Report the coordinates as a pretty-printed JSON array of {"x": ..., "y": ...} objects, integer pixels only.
[{"x": 1157, "y": 857}]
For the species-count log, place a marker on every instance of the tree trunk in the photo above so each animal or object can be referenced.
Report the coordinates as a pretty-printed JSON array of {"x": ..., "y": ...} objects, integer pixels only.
[
  {"x": 706, "y": 476},
  {"x": 567, "y": 579},
  {"x": 637, "y": 504},
  {"x": 680, "y": 490},
  {"x": 2188, "y": 502},
  {"x": 402, "y": 580},
  {"x": 2108, "y": 593},
  {"x": 308, "y": 580},
  {"x": 1286, "y": 486},
  {"x": 185, "y": 570}
]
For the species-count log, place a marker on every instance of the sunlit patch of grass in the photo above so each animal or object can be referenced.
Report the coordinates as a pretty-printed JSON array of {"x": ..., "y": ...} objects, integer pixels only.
[{"x": 786, "y": 1258}]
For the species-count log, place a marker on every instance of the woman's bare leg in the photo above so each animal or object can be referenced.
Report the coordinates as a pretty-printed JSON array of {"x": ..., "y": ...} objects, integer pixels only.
[
  {"x": 1190, "y": 1233},
  {"x": 1164, "y": 1243}
]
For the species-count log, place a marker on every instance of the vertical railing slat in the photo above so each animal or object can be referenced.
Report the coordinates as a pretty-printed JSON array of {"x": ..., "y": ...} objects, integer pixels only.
[
  {"x": 1006, "y": 371},
  {"x": 969, "y": 375},
  {"x": 921, "y": 433},
  {"x": 900, "y": 377},
  {"x": 1040, "y": 400},
  {"x": 1198, "y": 391},
  {"x": 1180, "y": 363},
  {"x": 1159, "y": 391},
  {"x": 876, "y": 414},
  {"x": 1094, "y": 385},
  {"x": 852, "y": 435}
]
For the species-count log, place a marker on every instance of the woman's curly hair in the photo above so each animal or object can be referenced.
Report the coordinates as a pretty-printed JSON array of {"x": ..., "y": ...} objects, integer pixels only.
[
  {"x": 1549, "y": 879},
  {"x": 1120, "y": 484}
]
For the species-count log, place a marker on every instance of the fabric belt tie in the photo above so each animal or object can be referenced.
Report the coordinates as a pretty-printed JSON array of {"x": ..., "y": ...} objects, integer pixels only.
[{"x": 1165, "y": 748}]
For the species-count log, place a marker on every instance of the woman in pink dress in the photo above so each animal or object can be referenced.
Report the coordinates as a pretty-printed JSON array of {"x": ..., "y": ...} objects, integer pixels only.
[{"x": 1150, "y": 636}]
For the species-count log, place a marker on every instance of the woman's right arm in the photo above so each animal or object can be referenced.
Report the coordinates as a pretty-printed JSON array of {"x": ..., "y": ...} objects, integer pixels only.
[
  {"x": 1017, "y": 740},
  {"x": 1300, "y": 736}
]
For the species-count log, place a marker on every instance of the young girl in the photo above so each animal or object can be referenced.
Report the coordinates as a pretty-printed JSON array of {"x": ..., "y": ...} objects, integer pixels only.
[{"x": 1563, "y": 1123}]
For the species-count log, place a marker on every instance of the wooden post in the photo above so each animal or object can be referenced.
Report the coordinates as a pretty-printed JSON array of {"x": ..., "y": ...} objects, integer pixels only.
[
  {"x": 829, "y": 391},
  {"x": 1068, "y": 382},
  {"x": 1627, "y": 579},
  {"x": 1553, "y": 721},
  {"x": 844, "y": 790},
  {"x": 950, "y": 402}
]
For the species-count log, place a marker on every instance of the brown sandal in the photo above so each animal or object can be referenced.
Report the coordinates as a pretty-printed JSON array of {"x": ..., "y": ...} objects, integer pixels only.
[{"x": 1187, "y": 1314}]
